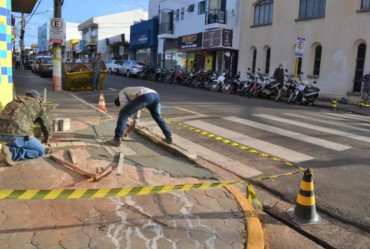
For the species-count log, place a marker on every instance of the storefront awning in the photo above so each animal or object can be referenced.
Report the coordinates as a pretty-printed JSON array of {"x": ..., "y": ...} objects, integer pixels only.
[{"x": 23, "y": 6}]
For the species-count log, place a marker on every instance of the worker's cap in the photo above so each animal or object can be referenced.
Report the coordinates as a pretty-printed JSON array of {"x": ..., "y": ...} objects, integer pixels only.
[{"x": 34, "y": 94}]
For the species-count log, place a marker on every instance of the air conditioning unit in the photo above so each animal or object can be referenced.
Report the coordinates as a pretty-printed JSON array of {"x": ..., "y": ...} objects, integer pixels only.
[{"x": 190, "y": 8}]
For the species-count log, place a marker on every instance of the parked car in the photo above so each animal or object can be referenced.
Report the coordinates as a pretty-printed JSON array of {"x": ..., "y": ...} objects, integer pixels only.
[
  {"x": 35, "y": 65},
  {"x": 67, "y": 60},
  {"x": 29, "y": 64},
  {"x": 131, "y": 68},
  {"x": 113, "y": 66},
  {"x": 45, "y": 66}
]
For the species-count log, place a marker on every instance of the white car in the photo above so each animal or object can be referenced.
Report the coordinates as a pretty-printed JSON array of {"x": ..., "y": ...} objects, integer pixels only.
[
  {"x": 114, "y": 66},
  {"x": 131, "y": 68}
]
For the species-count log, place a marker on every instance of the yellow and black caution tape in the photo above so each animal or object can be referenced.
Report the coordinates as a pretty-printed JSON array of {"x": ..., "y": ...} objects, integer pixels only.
[
  {"x": 235, "y": 144},
  {"x": 277, "y": 176},
  {"x": 57, "y": 194}
]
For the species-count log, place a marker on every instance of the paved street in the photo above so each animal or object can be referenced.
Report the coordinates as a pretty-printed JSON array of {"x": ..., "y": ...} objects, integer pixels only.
[{"x": 225, "y": 122}]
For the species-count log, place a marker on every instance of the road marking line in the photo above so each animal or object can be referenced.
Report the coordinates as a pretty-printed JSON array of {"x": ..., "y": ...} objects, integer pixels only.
[
  {"x": 278, "y": 151},
  {"x": 315, "y": 127},
  {"x": 347, "y": 117},
  {"x": 328, "y": 122},
  {"x": 290, "y": 134},
  {"x": 212, "y": 156}
]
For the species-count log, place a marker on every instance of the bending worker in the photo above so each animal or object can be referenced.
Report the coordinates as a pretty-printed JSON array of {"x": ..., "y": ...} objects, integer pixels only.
[
  {"x": 134, "y": 99},
  {"x": 16, "y": 128}
]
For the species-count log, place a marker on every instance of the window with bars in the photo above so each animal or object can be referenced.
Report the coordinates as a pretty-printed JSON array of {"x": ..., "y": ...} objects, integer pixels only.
[
  {"x": 201, "y": 7},
  {"x": 182, "y": 13},
  {"x": 263, "y": 12},
  {"x": 365, "y": 4},
  {"x": 311, "y": 9},
  {"x": 317, "y": 62},
  {"x": 267, "y": 65},
  {"x": 177, "y": 14}
]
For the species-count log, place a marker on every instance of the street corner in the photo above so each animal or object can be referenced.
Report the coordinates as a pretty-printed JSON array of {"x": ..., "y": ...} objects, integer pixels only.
[{"x": 151, "y": 209}]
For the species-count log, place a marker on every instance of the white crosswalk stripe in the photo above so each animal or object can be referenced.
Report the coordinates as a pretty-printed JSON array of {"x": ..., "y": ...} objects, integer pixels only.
[
  {"x": 332, "y": 123},
  {"x": 342, "y": 118},
  {"x": 275, "y": 150},
  {"x": 315, "y": 127},
  {"x": 290, "y": 134}
]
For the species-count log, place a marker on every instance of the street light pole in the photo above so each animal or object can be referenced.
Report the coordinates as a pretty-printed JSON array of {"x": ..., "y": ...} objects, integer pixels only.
[{"x": 57, "y": 52}]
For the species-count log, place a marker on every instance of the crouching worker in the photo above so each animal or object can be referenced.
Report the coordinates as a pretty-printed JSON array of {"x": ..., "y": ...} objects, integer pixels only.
[
  {"x": 133, "y": 100},
  {"x": 16, "y": 128}
]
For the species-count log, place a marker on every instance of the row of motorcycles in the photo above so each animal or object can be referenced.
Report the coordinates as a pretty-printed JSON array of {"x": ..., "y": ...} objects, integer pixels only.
[{"x": 256, "y": 84}]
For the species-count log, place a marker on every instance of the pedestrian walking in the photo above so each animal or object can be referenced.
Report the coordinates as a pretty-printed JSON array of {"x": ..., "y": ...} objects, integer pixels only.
[
  {"x": 279, "y": 75},
  {"x": 18, "y": 63},
  {"x": 97, "y": 66},
  {"x": 365, "y": 91},
  {"x": 133, "y": 100},
  {"x": 16, "y": 128}
]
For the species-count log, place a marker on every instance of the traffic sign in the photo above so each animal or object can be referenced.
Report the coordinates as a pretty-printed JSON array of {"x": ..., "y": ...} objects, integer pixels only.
[
  {"x": 57, "y": 30},
  {"x": 299, "y": 49}
]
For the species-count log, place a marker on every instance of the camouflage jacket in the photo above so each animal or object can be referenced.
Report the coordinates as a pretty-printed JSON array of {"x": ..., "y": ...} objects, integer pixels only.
[{"x": 19, "y": 116}]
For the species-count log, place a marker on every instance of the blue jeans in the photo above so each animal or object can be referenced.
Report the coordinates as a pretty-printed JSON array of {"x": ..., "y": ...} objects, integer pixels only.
[
  {"x": 22, "y": 148},
  {"x": 150, "y": 101},
  {"x": 96, "y": 78}
]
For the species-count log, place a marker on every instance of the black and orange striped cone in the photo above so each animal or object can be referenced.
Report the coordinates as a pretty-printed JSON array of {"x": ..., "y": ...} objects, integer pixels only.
[
  {"x": 101, "y": 104},
  {"x": 304, "y": 212}
]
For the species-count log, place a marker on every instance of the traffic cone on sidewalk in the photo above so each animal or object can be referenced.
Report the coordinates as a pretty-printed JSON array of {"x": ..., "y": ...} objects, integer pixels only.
[
  {"x": 304, "y": 212},
  {"x": 101, "y": 104}
]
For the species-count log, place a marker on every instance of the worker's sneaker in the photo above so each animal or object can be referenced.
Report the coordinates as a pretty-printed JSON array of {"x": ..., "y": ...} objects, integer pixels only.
[
  {"x": 114, "y": 142},
  {"x": 167, "y": 140},
  {"x": 7, "y": 154}
]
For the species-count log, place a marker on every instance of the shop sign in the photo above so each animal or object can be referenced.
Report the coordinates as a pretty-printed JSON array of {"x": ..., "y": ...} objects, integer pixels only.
[
  {"x": 190, "y": 41},
  {"x": 227, "y": 38},
  {"x": 141, "y": 38},
  {"x": 212, "y": 38}
]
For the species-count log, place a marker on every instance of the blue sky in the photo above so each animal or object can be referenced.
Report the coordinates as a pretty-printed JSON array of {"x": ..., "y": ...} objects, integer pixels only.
[{"x": 76, "y": 11}]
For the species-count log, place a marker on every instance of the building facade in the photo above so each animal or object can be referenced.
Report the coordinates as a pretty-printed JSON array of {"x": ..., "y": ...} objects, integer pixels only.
[
  {"x": 96, "y": 31},
  {"x": 334, "y": 35},
  {"x": 144, "y": 41},
  {"x": 206, "y": 32}
]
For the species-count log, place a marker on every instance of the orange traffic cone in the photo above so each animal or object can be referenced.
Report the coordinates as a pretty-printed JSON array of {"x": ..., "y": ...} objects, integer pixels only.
[
  {"x": 101, "y": 104},
  {"x": 304, "y": 212}
]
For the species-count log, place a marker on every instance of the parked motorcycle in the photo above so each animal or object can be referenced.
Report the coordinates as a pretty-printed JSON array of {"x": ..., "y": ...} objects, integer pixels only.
[
  {"x": 304, "y": 92},
  {"x": 288, "y": 87},
  {"x": 231, "y": 85},
  {"x": 245, "y": 86},
  {"x": 218, "y": 83},
  {"x": 263, "y": 86}
]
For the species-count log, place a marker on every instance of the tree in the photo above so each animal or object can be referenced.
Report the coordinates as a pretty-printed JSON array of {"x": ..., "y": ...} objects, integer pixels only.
[{"x": 114, "y": 48}]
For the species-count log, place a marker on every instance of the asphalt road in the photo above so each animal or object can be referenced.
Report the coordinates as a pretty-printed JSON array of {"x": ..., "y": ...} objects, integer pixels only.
[{"x": 334, "y": 144}]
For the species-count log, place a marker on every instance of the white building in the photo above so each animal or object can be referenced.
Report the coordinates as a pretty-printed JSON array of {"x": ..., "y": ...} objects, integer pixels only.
[
  {"x": 336, "y": 34},
  {"x": 96, "y": 30},
  {"x": 203, "y": 31}
]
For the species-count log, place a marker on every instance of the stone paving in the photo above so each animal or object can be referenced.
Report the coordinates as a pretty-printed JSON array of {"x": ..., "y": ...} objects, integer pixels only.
[{"x": 208, "y": 218}]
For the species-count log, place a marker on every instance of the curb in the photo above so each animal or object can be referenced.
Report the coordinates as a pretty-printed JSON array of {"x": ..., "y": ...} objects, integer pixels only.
[{"x": 255, "y": 234}]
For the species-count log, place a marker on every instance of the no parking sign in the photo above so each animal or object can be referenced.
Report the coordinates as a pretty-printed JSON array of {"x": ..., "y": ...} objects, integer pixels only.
[
  {"x": 57, "y": 30},
  {"x": 299, "y": 48}
]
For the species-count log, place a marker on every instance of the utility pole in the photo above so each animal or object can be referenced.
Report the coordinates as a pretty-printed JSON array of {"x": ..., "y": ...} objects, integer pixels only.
[
  {"x": 21, "y": 37},
  {"x": 57, "y": 51}
]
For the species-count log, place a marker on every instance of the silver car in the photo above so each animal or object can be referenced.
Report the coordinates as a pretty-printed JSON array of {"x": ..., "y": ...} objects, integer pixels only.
[{"x": 131, "y": 68}]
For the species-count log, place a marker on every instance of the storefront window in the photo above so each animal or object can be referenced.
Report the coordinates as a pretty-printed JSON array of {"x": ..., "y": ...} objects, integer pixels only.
[
  {"x": 143, "y": 55},
  {"x": 173, "y": 59}
]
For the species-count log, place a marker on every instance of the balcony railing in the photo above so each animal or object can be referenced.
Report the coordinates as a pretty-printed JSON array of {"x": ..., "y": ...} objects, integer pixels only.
[
  {"x": 166, "y": 28},
  {"x": 216, "y": 16}
]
